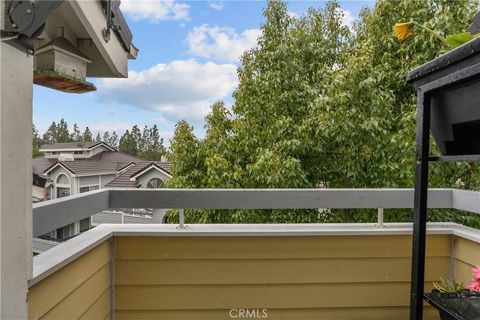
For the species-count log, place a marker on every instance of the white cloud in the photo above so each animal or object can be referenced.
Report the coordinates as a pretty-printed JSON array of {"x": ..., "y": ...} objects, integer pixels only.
[
  {"x": 155, "y": 10},
  {"x": 347, "y": 18},
  {"x": 118, "y": 127},
  {"x": 216, "y": 5},
  {"x": 182, "y": 89},
  {"x": 160, "y": 120},
  {"x": 221, "y": 43}
]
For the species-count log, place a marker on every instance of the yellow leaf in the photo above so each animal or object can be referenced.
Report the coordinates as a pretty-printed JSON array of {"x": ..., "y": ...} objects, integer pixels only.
[{"x": 403, "y": 30}]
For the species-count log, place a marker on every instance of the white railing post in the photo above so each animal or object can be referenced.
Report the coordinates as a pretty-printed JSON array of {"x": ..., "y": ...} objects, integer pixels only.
[
  {"x": 380, "y": 217},
  {"x": 181, "y": 217}
]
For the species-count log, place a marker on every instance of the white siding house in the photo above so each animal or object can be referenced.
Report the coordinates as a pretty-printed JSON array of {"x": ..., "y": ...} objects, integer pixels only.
[{"x": 77, "y": 167}]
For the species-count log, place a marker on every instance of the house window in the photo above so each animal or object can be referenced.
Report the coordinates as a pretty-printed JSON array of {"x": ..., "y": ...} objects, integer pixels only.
[
  {"x": 62, "y": 179},
  {"x": 55, "y": 153},
  {"x": 84, "y": 224},
  {"x": 77, "y": 152},
  {"x": 89, "y": 188},
  {"x": 63, "y": 192},
  {"x": 155, "y": 183},
  {"x": 66, "y": 232},
  {"x": 63, "y": 186}
]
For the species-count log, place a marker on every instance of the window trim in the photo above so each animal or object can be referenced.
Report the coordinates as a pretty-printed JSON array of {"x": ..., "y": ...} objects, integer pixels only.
[{"x": 62, "y": 185}]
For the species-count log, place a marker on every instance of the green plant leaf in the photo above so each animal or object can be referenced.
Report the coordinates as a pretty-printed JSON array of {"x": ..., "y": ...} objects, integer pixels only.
[{"x": 458, "y": 39}]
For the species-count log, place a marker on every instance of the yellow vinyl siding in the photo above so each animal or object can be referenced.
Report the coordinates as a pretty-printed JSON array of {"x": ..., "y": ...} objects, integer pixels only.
[
  {"x": 73, "y": 290},
  {"x": 321, "y": 277},
  {"x": 267, "y": 247},
  {"x": 100, "y": 308},
  {"x": 467, "y": 256},
  {"x": 271, "y": 296},
  {"x": 280, "y": 314},
  {"x": 249, "y": 271}
]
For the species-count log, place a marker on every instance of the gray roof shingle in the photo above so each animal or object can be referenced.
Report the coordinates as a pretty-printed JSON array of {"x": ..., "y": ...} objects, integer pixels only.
[
  {"x": 70, "y": 145},
  {"x": 106, "y": 161},
  {"x": 123, "y": 180},
  {"x": 39, "y": 165}
]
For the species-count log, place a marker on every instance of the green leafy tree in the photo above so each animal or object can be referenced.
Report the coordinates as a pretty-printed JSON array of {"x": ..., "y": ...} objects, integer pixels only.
[
  {"x": 76, "y": 136},
  {"x": 106, "y": 137},
  {"x": 321, "y": 105},
  {"x": 49, "y": 135},
  {"x": 62, "y": 134},
  {"x": 368, "y": 114},
  {"x": 143, "y": 142},
  {"x": 265, "y": 142},
  {"x": 57, "y": 133},
  {"x": 87, "y": 135},
  {"x": 152, "y": 144},
  {"x": 184, "y": 154},
  {"x": 113, "y": 141},
  {"x": 36, "y": 143},
  {"x": 136, "y": 135},
  {"x": 128, "y": 144}
]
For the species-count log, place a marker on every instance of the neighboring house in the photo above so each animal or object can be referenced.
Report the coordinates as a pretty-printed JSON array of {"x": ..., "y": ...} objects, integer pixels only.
[
  {"x": 144, "y": 174},
  {"x": 77, "y": 167}
]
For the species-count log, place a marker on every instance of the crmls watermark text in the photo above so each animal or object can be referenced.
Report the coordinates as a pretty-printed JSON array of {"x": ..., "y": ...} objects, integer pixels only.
[{"x": 248, "y": 313}]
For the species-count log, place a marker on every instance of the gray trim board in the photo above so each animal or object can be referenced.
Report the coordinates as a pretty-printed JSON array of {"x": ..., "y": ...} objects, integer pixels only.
[
  {"x": 49, "y": 215},
  {"x": 273, "y": 198},
  {"x": 57, "y": 213}
]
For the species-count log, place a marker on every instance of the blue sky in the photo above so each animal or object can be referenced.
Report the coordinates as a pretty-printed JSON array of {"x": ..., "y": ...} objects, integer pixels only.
[{"x": 189, "y": 51}]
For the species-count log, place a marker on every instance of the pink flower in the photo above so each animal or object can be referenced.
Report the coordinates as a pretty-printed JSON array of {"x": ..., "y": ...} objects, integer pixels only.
[
  {"x": 476, "y": 272},
  {"x": 474, "y": 286}
]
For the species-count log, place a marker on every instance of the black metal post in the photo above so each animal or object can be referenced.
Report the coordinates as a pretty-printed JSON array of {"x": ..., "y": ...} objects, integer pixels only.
[{"x": 420, "y": 206}]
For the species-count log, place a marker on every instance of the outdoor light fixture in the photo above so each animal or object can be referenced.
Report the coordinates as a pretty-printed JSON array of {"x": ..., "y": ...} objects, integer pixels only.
[
  {"x": 60, "y": 65},
  {"x": 448, "y": 93}
]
